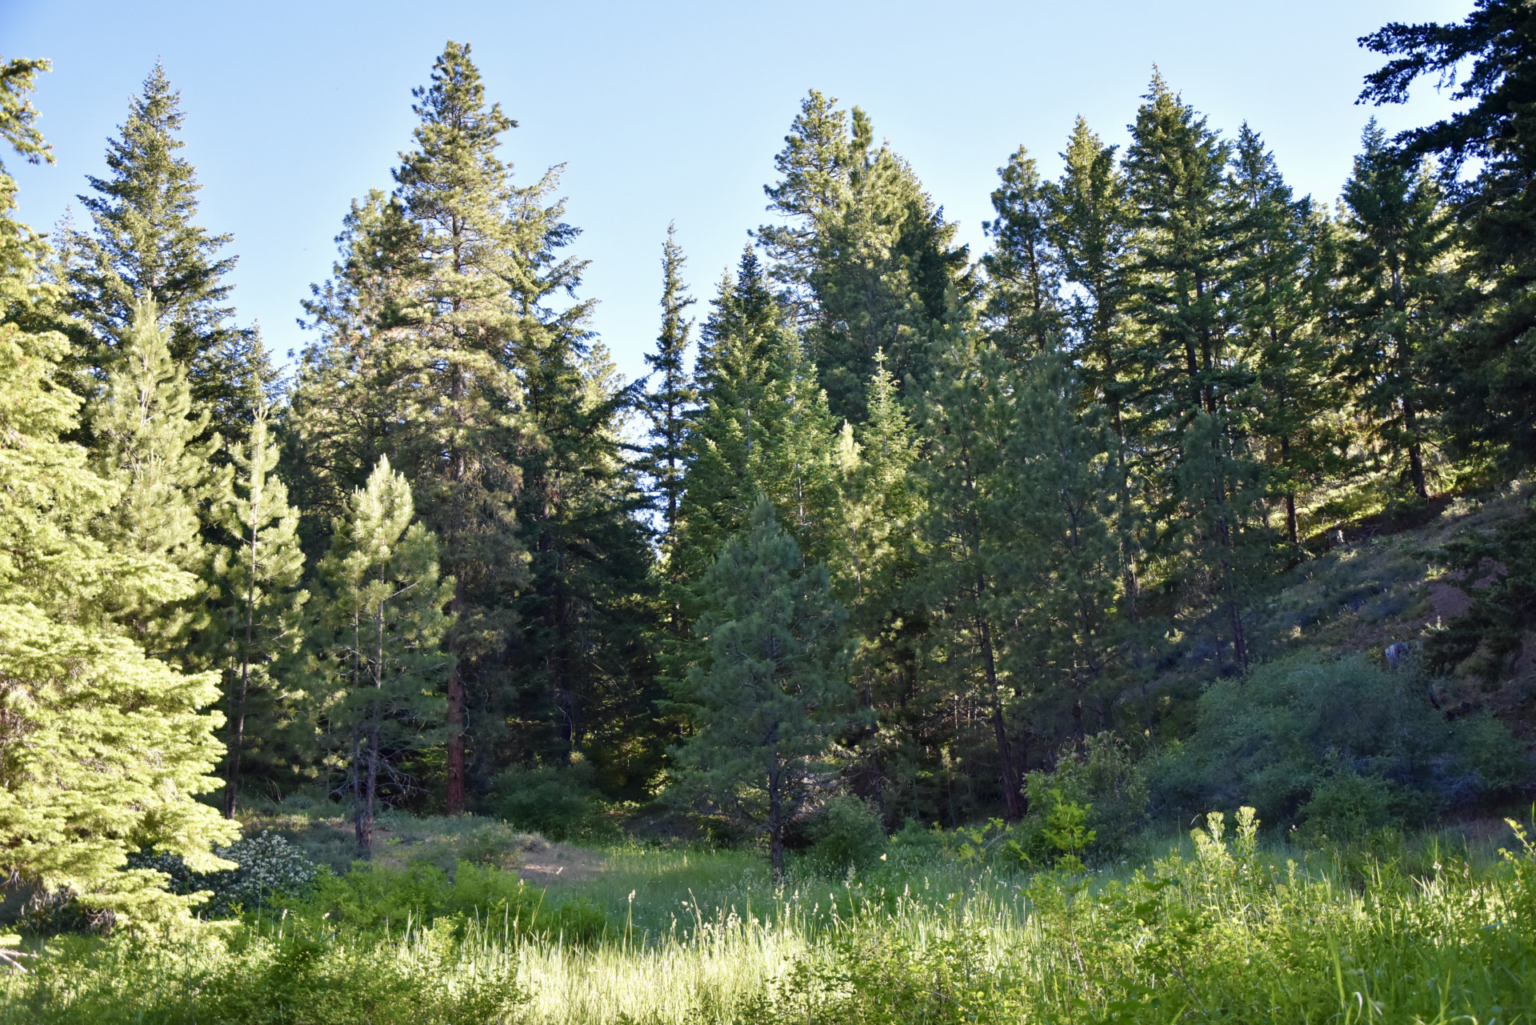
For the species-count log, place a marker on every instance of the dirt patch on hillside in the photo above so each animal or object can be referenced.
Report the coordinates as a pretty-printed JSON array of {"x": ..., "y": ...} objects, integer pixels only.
[{"x": 558, "y": 864}]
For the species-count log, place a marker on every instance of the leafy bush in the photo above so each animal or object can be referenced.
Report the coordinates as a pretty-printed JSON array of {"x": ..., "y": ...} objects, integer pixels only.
[
  {"x": 561, "y": 803},
  {"x": 846, "y": 833},
  {"x": 1347, "y": 807},
  {"x": 1272, "y": 739},
  {"x": 268, "y": 866},
  {"x": 1104, "y": 780}
]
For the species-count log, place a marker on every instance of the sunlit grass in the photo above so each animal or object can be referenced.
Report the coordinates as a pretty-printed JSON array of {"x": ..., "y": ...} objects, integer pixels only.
[{"x": 1217, "y": 929}]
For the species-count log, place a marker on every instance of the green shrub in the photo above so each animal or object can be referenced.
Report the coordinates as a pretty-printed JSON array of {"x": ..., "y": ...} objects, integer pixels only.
[
  {"x": 561, "y": 803},
  {"x": 1347, "y": 807},
  {"x": 1103, "y": 779},
  {"x": 846, "y": 833},
  {"x": 1271, "y": 739}
]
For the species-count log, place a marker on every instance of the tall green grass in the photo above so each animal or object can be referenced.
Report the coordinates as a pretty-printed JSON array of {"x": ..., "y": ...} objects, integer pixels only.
[{"x": 1218, "y": 930}]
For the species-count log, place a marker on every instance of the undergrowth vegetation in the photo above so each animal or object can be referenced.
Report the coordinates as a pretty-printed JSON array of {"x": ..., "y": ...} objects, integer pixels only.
[{"x": 935, "y": 928}]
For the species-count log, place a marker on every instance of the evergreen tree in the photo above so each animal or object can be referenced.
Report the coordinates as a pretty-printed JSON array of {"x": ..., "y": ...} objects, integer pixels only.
[
  {"x": 1023, "y": 279},
  {"x": 1286, "y": 261},
  {"x": 1489, "y": 62},
  {"x": 669, "y": 403},
  {"x": 867, "y": 259},
  {"x": 145, "y": 429},
  {"x": 1057, "y": 562},
  {"x": 770, "y": 699},
  {"x": 422, "y": 323},
  {"x": 876, "y": 574},
  {"x": 146, "y": 246},
  {"x": 1186, "y": 235},
  {"x": 378, "y": 628},
  {"x": 103, "y": 748},
  {"x": 1397, "y": 283},
  {"x": 965, "y": 427},
  {"x": 256, "y": 599},
  {"x": 736, "y": 375},
  {"x": 1087, "y": 227}
]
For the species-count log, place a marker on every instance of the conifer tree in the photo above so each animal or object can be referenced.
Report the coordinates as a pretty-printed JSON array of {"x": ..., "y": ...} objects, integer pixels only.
[
  {"x": 1186, "y": 236},
  {"x": 1488, "y": 62},
  {"x": 1286, "y": 261},
  {"x": 1088, "y": 229},
  {"x": 736, "y": 375},
  {"x": 866, "y": 257},
  {"x": 1057, "y": 568},
  {"x": 426, "y": 321},
  {"x": 377, "y": 659},
  {"x": 146, "y": 247},
  {"x": 669, "y": 402},
  {"x": 965, "y": 425},
  {"x": 1397, "y": 234},
  {"x": 256, "y": 599},
  {"x": 104, "y": 749},
  {"x": 770, "y": 698},
  {"x": 1023, "y": 280},
  {"x": 145, "y": 430}
]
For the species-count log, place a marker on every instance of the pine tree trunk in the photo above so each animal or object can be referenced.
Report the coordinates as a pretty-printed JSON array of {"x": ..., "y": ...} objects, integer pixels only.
[
  {"x": 456, "y": 722},
  {"x": 368, "y": 797},
  {"x": 1415, "y": 451},
  {"x": 236, "y": 746},
  {"x": 1013, "y": 802},
  {"x": 776, "y": 824}
]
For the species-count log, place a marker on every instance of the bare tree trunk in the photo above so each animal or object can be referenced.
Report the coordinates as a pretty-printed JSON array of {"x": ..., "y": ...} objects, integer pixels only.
[
  {"x": 456, "y": 723},
  {"x": 366, "y": 799},
  {"x": 1013, "y": 801}
]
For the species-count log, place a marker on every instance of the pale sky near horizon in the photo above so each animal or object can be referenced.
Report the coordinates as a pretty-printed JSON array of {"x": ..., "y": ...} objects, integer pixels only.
[{"x": 668, "y": 111}]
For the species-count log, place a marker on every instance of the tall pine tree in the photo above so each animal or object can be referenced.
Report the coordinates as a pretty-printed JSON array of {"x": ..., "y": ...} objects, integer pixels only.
[
  {"x": 376, "y": 644},
  {"x": 103, "y": 748},
  {"x": 145, "y": 246},
  {"x": 256, "y": 601},
  {"x": 770, "y": 698}
]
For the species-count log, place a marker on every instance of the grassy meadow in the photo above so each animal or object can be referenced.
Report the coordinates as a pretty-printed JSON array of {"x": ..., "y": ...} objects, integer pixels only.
[{"x": 1221, "y": 926}]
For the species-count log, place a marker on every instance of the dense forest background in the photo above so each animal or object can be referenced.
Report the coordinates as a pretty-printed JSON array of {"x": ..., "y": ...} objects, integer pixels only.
[{"x": 888, "y": 519}]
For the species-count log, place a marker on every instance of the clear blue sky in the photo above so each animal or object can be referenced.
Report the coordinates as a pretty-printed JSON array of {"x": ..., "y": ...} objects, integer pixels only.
[{"x": 668, "y": 111}]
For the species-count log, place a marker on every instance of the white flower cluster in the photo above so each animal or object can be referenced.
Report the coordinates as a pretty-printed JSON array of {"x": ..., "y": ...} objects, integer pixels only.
[{"x": 268, "y": 864}]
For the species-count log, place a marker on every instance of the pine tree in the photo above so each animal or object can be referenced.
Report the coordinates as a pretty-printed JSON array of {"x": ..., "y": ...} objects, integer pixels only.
[
  {"x": 145, "y": 429},
  {"x": 1088, "y": 228},
  {"x": 1397, "y": 235},
  {"x": 256, "y": 600},
  {"x": 866, "y": 257},
  {"x": 1488, "y": 61},
  {"x": 103, "y": 748},
  {"x": 1286, "y": 261},
  {"x": 145, "y": 246},
  {"x": 771, "y": 699},
  {"x": 876, "y": 571},
  {"x": 736, "y": 379},
  {"x": 376, "y": 642},
  {"x": 1023, "y": 279},
  {"x": 430, "y": 322},
  {"x": 1058, "y": 562},
  {"x": 1195, "y": 399},
  {"x": 965, "y": 425},
  {"x": 669, "y": 403}
]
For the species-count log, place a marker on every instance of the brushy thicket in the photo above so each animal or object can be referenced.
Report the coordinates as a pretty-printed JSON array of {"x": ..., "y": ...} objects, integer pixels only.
[
  {"x": 1335, "y": 747},
  {"x": 1223, "y": 931}
]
